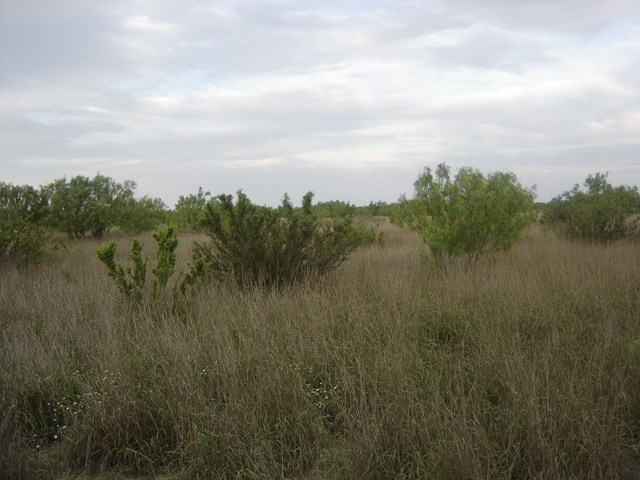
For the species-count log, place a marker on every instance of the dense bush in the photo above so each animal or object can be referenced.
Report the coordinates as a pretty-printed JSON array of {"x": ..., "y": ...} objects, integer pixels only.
[
  {"x": 22, "y": 239},
  {"x": 257, "y": 245},
  {"x": 378, "y": 208},
  {"x": 468, "y": 216},
  {"x": 139, "y": 215},
  {"x": 83, "y": 205},
  {"x": 189, "y": 212},
  {"x": 334, "y": 209},
  {"x": 602, "y": 214}
]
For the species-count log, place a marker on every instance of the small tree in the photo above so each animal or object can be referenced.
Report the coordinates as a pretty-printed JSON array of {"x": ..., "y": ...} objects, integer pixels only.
[
  {"x": 376, "y": 209},
  {"x": 256, "y": 245},
  {"x": 334, "y": 209},
  {"x": 138, "y": 215},
  {"x": 602, "y": 214},
  {"x": 468, "y": 216},
  {"x": 22, "y": 238},
  {"x": 189, "y": 211},
  {"x": 83, "y": 205}
]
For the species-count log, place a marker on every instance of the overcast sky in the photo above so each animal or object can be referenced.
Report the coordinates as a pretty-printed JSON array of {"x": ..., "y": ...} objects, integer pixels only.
[{"x": 349, "y": 98}]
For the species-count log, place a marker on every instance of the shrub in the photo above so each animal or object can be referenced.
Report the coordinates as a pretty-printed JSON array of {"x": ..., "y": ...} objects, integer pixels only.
[
  {"x": 599, "y": 215},
  {"x": 141, "y": 215},
  {"x": 83, "y": 205},
  {"x": 22, "y": 238},
  {"x": 334, "y": 209},
  {"x": 189, "y": 211},
  {"x": 24, "y": 242},
  {"x": 257, "y": 245},
  {"x": 377, "y": 209},
  {"x": 130, "y": 281},
  {"x": 468, "y": 216}
]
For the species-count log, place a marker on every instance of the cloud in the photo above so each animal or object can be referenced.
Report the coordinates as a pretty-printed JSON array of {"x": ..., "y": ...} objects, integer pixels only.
[
  {"x": 342, "y": 95},
  {"x": 575, "y": 17}
]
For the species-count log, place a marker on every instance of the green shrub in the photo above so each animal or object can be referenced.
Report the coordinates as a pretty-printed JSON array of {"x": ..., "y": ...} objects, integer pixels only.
[
  {"x": 83, "y": 205},
  {"x": 189, "y": 211},
  {"x": 334, "y": 209},
  {"x": 167, "y": 243},
  {"x": 601, "y": 215},
  {"x": 468, "y": 216},
  {"x": 130, "y": 281},
  {"x": 257, "y": 245},
  {"x": 141, "y": 215},
  {"x": 377, "y": 209},
  {"x": 22, "y": 238},
  {"x": 24, "y": 242}
]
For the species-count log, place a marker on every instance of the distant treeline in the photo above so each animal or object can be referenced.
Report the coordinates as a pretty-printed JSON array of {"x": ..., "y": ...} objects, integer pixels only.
[{"x": 83, "y": 206}]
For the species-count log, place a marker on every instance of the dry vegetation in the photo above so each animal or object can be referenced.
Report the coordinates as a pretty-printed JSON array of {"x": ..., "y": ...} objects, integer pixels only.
[{"x": 385, "y": 369}]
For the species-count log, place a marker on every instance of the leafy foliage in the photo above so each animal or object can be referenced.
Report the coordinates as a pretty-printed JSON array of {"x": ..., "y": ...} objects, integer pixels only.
[
  {"x": 600, "y": 215},
  {"x": 83, "y": 205},
  {"x": 378, "y": 208},
  {"x": 137, "y": 215},
  {"x": 257, "y": 245},
  {"x": 334, "y": 209},
  {"x": 130, "y": 281},
  {"x": 167, "y": 244},
  {"x": 468, "y": 216},
  {"x": 189, "y": 211},
  {"x": 22, "y": 239}
]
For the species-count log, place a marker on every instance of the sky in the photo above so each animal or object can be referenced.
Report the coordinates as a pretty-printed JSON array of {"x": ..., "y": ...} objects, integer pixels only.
[{"x": 350, "y": 99}]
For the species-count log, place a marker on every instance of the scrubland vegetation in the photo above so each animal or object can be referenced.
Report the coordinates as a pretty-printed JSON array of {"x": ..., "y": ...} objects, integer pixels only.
[
  {"x": 302, "y": 343},
  {"x": 383, "y": 368}
]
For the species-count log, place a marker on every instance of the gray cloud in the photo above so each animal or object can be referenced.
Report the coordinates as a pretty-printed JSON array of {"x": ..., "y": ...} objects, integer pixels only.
[{"x": 349, "y": 99}]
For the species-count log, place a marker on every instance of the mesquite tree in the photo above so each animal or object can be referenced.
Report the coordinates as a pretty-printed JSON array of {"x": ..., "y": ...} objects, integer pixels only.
[
  {"x": 602, "y": 214},
  {"x": 95, "y": 205},
  {"x": 467, "y": 216}
]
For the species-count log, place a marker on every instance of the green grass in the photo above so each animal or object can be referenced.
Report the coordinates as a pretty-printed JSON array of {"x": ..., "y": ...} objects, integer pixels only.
[{"x": 386, "y": 369}]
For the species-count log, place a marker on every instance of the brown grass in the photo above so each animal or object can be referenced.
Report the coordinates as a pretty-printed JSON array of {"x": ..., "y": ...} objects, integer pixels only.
[{"x": 385, "y": 369}]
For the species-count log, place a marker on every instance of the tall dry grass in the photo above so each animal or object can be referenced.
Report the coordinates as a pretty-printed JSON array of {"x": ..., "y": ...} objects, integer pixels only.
[{"x": 387, "y": 368}]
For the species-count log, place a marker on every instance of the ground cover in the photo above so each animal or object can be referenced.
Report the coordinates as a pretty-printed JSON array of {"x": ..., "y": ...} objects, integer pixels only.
[{"x": 386, "y": 368}]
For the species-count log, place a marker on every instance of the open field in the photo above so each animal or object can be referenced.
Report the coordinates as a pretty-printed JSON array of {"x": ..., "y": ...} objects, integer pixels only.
[{"x": 386, "y": 369}]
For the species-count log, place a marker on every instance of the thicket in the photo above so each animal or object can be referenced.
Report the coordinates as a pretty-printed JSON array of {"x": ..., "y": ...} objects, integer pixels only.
[
  {"x": 334, "y": 209},
  {"x": 601, "y": 214},
  {"x": 189, "y": 211},
  {"x": 95, "y": 205},
  {"x": 22, "y": 237},
  {"x": 377, "y": 209},
  {"x": 467, "y": 216},
  {"x": 257, "y": 245},
  {"x": 29, "y": 217}
]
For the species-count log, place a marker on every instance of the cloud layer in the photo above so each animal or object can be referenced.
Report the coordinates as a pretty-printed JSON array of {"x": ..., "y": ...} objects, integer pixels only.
[{"x": 349, "y": 99}]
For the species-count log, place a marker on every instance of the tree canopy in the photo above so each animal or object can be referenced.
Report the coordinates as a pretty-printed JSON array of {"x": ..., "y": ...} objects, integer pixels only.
[
  {"x": 467, "y": 216},
  {"x": 82, "y": 205},
  {"x": 600, "y": 213}
]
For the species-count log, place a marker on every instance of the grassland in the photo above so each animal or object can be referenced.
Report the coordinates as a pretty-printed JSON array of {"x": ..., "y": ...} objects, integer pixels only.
[{"x": 385, "y": 369}]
